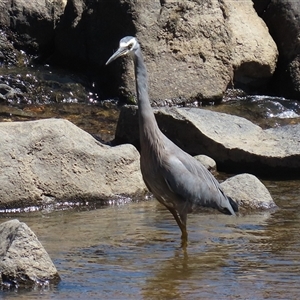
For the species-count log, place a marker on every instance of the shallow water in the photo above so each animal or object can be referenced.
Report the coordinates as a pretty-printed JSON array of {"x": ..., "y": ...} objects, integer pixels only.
[
  {"x": 99, "y": 120},
  {"x": 132, "y": 251},
  {"x": 264, "y": 111}
]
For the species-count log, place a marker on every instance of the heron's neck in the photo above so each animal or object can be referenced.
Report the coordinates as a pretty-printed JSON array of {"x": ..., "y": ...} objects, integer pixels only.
[{"x": 149, "y": 131}]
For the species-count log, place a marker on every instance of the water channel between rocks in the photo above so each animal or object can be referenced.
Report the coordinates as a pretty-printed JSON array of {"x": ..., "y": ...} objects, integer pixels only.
[{"x": 132, "y": 251}]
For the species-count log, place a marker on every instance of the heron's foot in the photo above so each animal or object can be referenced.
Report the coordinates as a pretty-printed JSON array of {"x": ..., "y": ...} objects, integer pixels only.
[
  {"x": 184, "y": 240},
  {"x": 184, "y": 244}
]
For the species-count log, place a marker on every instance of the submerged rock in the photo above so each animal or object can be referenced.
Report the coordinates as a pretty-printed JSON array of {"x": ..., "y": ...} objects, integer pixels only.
[
  {"x": 249, "y": 192},
  {"x": 236, "y": 144},
  {"x": 52, "y": 160},
  {"x": 23, "y": 260}
]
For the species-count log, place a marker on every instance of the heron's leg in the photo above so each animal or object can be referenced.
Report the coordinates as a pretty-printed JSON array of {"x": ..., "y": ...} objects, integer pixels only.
[
  {"x": 184, "y": 236},
  {"x": 181, "y": 221}
]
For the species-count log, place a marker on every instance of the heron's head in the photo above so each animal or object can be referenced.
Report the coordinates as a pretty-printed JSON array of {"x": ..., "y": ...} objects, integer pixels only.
[{"x": 127, "y": 45}]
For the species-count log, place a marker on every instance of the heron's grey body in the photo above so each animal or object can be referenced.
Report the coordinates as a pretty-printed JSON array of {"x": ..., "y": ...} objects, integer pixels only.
[{"x": 175, "y": 178}]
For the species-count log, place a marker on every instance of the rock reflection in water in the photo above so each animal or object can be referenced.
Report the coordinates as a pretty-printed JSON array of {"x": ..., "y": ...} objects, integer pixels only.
[{"x": 133, "y": 251}]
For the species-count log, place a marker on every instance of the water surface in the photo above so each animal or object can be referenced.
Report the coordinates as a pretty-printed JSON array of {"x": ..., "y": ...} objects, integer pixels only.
[{"x": 133, "y": 251}]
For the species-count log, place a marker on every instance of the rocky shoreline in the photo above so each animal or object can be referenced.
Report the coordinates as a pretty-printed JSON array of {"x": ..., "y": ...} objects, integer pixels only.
[{"x": 194, "y": 52}]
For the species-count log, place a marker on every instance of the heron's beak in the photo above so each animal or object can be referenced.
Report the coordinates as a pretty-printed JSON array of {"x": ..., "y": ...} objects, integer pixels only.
[{"x": 118, "y": 53}]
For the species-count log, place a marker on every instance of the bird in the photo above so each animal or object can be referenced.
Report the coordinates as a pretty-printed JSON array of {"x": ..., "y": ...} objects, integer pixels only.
[{"x": 175, "y": 178}]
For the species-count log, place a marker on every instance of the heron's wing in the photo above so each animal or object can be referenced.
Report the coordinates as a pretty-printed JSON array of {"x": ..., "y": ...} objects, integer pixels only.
[{"x": 190, "y": 180}]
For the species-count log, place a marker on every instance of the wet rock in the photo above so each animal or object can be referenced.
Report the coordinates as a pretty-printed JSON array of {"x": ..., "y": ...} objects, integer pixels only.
[
  {"x": 49, "y": 161},
  {"x": 23, "y": 260},
  {"x": 8, "y": 54},
  {"x": 7, "y": 93},
  {"x": 236, "y": 144},
  {"x": 185, "y": 45},
  {"x": 46, "y": 85},
  {"x": 265, "y": 111},
  {"x": 249, "y": 192}
]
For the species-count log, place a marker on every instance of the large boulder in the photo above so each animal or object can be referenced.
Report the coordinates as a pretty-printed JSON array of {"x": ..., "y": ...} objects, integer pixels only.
[
  {"x": 192, "y": 50},
  {"x": 236, "y": 144},
  {"x": 23, "y": 260},
  {"x": 283, "y": 20},
  {"x": 52, "y": 160}
]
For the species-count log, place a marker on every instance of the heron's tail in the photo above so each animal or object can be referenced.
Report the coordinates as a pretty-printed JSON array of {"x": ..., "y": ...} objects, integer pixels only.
[
  {"x": 231, "y": 208},
  {"x": 233, "y": 204}
]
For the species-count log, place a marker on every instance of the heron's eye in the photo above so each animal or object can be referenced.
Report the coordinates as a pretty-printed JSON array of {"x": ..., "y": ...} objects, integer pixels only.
[{"x": 129, "y": 46}]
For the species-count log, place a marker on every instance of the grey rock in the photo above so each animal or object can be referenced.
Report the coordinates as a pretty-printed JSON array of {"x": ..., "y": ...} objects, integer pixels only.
[
  {"x": 236, "y": 144},
  {"x": 23, "y": 260},
  {"x": 207, "y": 162},
  {"x": 193, "y": 50},
  {"x": 249, "y": 192},
  {"x": 52, "y": 160}
]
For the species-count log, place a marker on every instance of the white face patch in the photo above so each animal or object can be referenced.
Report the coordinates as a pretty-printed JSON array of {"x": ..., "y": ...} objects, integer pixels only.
[{"x": 130, "y": 44}]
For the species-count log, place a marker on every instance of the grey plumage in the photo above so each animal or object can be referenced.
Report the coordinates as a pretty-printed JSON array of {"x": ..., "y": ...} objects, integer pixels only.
[{"x": 175, "y": 178}]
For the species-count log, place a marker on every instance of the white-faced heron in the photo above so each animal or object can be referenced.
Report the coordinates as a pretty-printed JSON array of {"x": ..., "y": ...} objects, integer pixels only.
[{"x": 176, "y": 179}]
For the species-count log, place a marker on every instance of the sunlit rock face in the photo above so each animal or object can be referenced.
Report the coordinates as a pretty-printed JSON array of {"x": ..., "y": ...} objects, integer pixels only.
[
  {"x": 49, "y": 161},
  {"x": 23, "y": 260},
  {"x": 249, "y": 192},
  {"x": 236, "y": 144}
]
